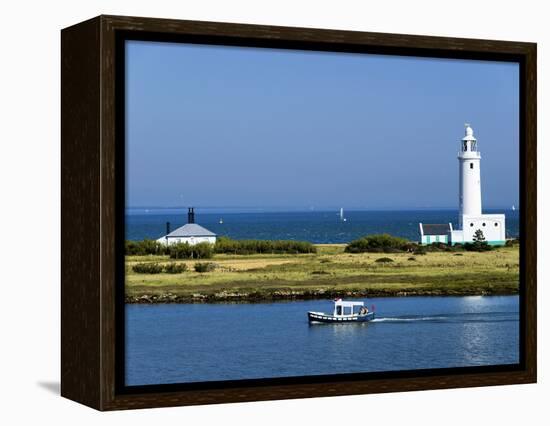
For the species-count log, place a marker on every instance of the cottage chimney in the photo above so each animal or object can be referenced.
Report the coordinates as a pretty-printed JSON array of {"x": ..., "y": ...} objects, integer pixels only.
[
  {"x": 191, "y": 215},
  {"x": 167, "y": 228}
]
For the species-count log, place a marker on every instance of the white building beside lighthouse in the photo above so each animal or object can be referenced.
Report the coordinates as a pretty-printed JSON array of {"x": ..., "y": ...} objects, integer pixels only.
[{"x": 470, "y": 213}]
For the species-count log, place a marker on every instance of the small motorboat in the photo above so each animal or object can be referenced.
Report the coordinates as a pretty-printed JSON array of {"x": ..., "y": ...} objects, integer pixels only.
[{"x": 344, "y": 312}]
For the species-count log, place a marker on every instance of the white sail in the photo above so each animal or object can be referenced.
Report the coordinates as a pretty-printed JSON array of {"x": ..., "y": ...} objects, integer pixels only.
[{"x": 342, "y": 218}]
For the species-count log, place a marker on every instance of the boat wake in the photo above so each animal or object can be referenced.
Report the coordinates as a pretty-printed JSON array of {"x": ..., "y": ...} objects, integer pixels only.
[
  {"x": 452, "y": 318},
  {"x": 405, "y": 319}
]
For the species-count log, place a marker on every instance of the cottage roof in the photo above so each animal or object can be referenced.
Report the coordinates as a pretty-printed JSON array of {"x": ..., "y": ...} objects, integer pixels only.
[
  {"x": 436, "y": 228},
  {"x": 190, "y": 230}
]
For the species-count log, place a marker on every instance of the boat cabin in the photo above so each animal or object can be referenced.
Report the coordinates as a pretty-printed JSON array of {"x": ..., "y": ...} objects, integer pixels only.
[
  {"x": 344, "y": 312},
  {"x": 342, "y": 308}
]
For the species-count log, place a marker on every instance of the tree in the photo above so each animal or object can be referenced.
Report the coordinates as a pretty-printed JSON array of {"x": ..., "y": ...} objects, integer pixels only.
[
  {"x": 478, "y": 242},
  {"x": 479, "y": 237}
]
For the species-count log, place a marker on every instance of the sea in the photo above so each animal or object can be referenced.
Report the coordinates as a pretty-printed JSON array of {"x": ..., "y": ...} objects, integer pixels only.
[
  {"x": 319, "y": 227},
  {"x": 186, "y": 343}
]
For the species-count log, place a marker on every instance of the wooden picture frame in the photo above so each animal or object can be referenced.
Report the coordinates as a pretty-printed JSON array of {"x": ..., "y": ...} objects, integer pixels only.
[{"x": 92, "y": 163}]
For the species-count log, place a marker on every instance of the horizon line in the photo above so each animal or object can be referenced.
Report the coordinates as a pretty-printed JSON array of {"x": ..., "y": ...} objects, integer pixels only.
[{"x": 312, "y": 208}]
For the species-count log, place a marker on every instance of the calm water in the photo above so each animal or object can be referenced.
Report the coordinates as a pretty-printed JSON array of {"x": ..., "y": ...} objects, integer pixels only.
[
  {"x": 195, "y": 342},
  {"x": 316, "y": 227}
]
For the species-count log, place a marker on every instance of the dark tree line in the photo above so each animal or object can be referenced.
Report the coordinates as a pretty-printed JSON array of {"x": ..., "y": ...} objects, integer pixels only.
[
  {"x": 223, "y": 245},
  {"x": 229, "y": 246}
]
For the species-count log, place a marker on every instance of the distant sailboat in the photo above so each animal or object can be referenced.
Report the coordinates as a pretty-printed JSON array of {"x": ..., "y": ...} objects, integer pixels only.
[
  {"x": 513, "y": 207},
  {"x": 342, "y": 218},
  {"x": 221, "y": 220}
]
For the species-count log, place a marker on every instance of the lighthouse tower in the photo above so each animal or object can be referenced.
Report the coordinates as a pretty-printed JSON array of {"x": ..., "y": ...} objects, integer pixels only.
[{"x": 469, "y": 177}]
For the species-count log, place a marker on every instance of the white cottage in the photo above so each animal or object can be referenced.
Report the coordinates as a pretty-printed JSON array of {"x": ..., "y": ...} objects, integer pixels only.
[
  {"x": 190, "y": 233},
  {"x": 435, "y": 233}
]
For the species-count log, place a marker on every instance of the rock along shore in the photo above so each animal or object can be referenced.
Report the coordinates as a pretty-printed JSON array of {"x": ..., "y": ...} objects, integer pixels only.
[{"x": 282, "y": 295}]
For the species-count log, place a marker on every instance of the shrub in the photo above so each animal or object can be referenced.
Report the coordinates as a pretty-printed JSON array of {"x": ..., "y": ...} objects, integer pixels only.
[
  {"x": 325, "y": 261},
  {"x": 187, "y": 251},
  {"x": 229, "y": 246},
  {"x": 437, "y": 247},
  {"x": 378, "y": 244},
  {"x": 384, "y": 260},
  {"x": 410, "y": 246},
  {"x": 512, "y": 242},
  {"x": 477, "y": 246},
  {"x": 175, "y": 268},
  {"x": 391, "y": 250},
  {"x": 411, "y": 258},
  {"x": 204, "y": 266},
  {"x": 145, "y": 247},
  {"x": 147, "y": 268},
  {"x": 420, "y": 251}
]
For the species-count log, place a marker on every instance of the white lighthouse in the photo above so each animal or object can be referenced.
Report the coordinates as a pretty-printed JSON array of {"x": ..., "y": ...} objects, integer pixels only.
[
  {"x": 469, "y": 177},
  {"x": 470, "y": 213}
]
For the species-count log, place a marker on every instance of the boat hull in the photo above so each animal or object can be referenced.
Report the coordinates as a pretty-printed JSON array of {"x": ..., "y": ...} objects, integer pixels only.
[{"x": 314, "y": 317}]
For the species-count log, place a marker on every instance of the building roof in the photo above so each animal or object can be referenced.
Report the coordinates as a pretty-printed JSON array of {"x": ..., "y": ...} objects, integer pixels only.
[
  {"x": 436, "y": 228},
  {"x": 190, "y": 230}
]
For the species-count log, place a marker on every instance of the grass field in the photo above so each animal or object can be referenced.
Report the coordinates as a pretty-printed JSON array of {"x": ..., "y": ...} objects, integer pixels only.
[{"x": 328, "y": 273}]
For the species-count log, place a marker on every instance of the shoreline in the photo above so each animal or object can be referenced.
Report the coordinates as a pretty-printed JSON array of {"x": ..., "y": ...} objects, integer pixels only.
[{"x": 229, "y": 297}]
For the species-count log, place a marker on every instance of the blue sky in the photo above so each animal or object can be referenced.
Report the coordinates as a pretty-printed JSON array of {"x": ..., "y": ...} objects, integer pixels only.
[{"x": 217, "y": 126}]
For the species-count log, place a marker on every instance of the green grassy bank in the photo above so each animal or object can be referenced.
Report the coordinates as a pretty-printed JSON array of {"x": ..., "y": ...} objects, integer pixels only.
[{"x": 326, "y": 274}]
